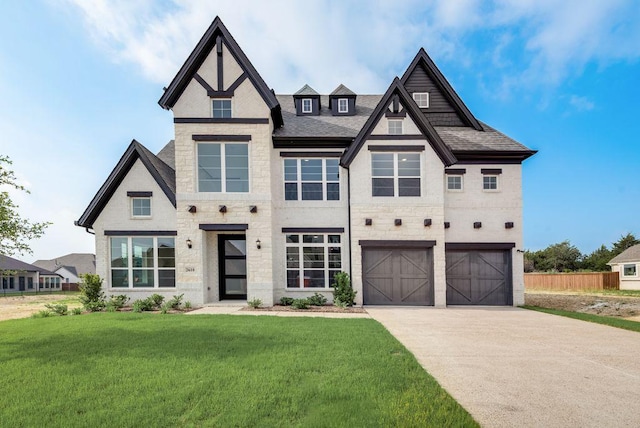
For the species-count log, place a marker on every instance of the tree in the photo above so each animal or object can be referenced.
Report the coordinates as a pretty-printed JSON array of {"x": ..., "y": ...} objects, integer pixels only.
[
  {"x": 625, "y": 241},
  {"x": 15, "y": 232},
  {"x": 557, "y": 257},
  {"x": 597, "y": 261}
]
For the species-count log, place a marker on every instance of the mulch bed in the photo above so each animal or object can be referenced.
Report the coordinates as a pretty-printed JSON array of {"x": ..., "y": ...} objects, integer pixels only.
[{"x": 326, "y": 308}]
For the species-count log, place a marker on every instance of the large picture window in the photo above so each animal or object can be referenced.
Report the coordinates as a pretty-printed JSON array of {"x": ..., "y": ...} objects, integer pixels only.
[
  {"x": 312, "y": 260},
  {"x": 143, "y": 262},
  {"x": 395, "y": 174},
  {"x": 629, "y": 270},
  {"x": 311, "y": 180},
  {"x": 223, "y": 167}
]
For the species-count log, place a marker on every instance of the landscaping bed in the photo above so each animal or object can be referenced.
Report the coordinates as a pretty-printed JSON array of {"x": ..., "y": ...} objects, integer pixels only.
[{"x": 627, "y": 307}]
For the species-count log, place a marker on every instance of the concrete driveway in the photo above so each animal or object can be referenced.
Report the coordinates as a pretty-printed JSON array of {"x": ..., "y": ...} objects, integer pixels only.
[{"x": 513, "y": 367}]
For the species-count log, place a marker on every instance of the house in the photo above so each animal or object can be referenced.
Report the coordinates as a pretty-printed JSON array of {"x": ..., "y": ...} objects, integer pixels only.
[
  {"x": 17, "y": 276},
  {"x": 627, "y": 263},
  {"x": 263, "y": 196},
  {"x": 70, "y": 267}
]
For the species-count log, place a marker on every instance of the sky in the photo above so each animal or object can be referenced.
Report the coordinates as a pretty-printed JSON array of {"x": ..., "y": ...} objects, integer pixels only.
[{"x": 81, "y": 78}]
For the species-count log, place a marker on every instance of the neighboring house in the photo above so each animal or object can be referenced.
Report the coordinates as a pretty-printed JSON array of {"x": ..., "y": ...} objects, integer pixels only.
[
  {"x": 16, "y": 276},
  {"x": 70, "y": 267},
  {"x": 264, "y": 196},
  {"x": 627, "y": 264}
]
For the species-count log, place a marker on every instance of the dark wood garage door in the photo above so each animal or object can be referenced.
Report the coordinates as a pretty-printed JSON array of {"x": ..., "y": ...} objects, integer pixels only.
[
  {"x": 397, "y": 276},
  {"x": 479, "y": 277}
]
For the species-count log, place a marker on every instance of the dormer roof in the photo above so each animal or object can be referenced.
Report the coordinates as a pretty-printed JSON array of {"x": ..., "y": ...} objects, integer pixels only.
[
  {"x": 342, "y": 91},
  {"x": 306, "y": 91}
]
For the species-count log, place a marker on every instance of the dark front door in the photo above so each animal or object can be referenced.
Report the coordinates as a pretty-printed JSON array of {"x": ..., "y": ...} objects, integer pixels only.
[
  {"x": 479, "y": 278},
  {"x": 397, "y": 276},
  {"x": 21, "y": 283},
  {"x": 232, "y": 250}
]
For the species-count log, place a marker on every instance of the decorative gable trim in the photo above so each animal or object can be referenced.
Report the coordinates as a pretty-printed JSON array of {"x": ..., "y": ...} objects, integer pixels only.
[
  {"x": 216, "y": 34},
  {"x": 397, "y": 90},
  {"x": 422, "y": 58},
  {"x": 162, "y": 173}
]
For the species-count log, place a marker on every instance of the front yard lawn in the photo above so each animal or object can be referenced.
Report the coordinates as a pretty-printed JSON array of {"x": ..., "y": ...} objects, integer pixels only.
[
  {"x": 127, "y": 369},
  {"x": 598, "y": 319}
]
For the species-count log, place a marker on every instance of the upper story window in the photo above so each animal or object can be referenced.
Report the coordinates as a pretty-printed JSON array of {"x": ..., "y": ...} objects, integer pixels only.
[
  {"x": 395, "y": 174},
  {"x": 312, "y": 260},
  {"x": 223, "y": 167},
  {"x": 454, "y": 182},
  {"x": 422, "y": 99},
  {"x": 629, "y": 270},
  {"x": 490, "y": 180},
  {"x": 311, "y": 179},
  {"x": 140, "y": 207},
  {"x": 307, "y": 105},
  {"x": 395, "y": 127},
  {"x": 221, "y": 108},
  {"x": 343, "y": 105}
]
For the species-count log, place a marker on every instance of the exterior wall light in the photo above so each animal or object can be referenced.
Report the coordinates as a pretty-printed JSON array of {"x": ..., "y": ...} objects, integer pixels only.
[
  {"x": 258, "y": 244},
  {"x": 189, "y": 243},
  {"x": 192, "y": 209}
]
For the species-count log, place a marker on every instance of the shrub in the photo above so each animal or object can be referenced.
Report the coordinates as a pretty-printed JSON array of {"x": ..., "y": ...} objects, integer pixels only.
[
  {"x": 91, "y": 294},
  {"x": 76, "y": 311},
  {"x": 317, "y": 300},
  {"x": 300, "y": 303},
  {"x": 255, "y": 303},
  {"x": 57, "y": 309},
  {"x": 156, "y": 300},
  {"x": 286, "y": 301},
  {"x": 41, "y": 314},
  {"x": 187, "y": 305},
  {"x": 343, "y": 293},
  {"x": 175, "y": 302},
  {"x": 143, "y": 305},
  {"x": 165, "y": 308},
  {"x": 118, "y": 301}
]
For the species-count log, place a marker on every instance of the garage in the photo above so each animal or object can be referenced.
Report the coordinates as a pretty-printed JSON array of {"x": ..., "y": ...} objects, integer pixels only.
[
  {"x": 479, "y": 274},
  {"x": 397, "y": 272}
]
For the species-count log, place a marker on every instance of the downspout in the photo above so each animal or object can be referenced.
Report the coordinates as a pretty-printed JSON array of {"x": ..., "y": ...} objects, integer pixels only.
[{"x": 88, "y": 231}]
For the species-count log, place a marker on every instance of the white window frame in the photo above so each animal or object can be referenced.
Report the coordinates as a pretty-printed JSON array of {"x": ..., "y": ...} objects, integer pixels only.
[
  {"x": 393, "y": 130},
  {"x": 230, "y": 108},
  {"x": 300, "y": 245},
  {"x": 629, "y": 265},
  {"x": 497, "y": 177},
  {"x": 453, "y": 189},
  {"x": 299, "y": 181},
  {"x": 130, "y": 268},
  {"x": 396, "y": 177},
  {"x": 223, "y": 166},
  {"x": 342, "y": 101},
  {"x": 422, "y": 99},
  {"x": 138, "y": 198},
  {"x": 304, "y": 101}
]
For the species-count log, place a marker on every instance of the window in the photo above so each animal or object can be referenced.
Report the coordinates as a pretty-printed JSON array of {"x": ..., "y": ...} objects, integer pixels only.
[
  {"x": 221, "y": 109},
  {"x": 629, "y": 270},
  {"x": 454, "y": 182},
  {"x": 395, "y": 174},
  {"x": 30, "y": 283},
  {"x": 312, "y": 260},
  {"x": 311, "y": 180},
  {"x": 395, "y": 127},
  {"x": 306, "y": 105},
  {"x": 490, "y": 182},
  {"x": 143, "y": 262},
  {"x": 141, "y": 207},
  {"x": 223, "y": 167},
  {"x": 422, "y": 99},
  {"x": 343, "y": 105}
]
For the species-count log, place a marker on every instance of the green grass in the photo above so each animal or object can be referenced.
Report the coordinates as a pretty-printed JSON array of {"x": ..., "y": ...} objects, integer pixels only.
[
  {"x": 610, "y": 321},
  {"x": 126, "y": 369},
  {"x": 634, "y": 293}
]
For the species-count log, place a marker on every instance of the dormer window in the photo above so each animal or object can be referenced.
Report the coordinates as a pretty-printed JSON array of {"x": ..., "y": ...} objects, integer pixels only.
[
  {"x": 307, "y": 105},
  {"x": 422, "y": 99},
  {"x": 395, "y": 127},
  {"x": 221, "y": 108},
  {"x": 343, "y": 105}
]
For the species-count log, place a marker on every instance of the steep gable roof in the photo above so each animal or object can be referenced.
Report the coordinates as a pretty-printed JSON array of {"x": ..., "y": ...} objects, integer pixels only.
[
  {"x": 423, "y": 59},
  {"x": 396, "y": 88},
  {"x": 342, "y": 90},
  {"x": 306, "y": 90},
  {"x": 11, "y": 264},
  {"x": 631, "y": 254},
  {"x": 162, "y": 173},
  {"x": 200, "y": 53}
]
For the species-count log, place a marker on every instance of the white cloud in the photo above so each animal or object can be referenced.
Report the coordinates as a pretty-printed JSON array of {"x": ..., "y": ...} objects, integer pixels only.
[{"x": 581, "y": 103}]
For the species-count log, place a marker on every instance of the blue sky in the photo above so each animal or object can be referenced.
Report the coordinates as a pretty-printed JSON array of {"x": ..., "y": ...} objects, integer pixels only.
[{"x": 81, "y": 79}]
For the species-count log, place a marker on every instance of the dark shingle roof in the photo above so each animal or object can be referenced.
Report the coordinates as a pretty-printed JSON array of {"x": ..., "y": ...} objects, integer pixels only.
[
  {"x": 462, "y": 138},
  {"x": 342, "y": 90},
  {"x": 9, "y": 263},
  {"x": 74, "y": 262},
  {"x": 168, "y": 154},
  {"x": 306, "y": 90},
  {"x": 631, "y": 254}
]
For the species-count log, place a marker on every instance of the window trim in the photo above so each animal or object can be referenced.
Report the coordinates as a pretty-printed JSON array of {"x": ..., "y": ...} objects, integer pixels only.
[
  {"x": 635, "y": 270},
  {"x": 420, "y": 94},
  {"x": 395, "y": 121},
  {"x": 299, "y": 181},
  {"x": 213, "y": 115},
  {"x": 300, "y": 245},
  {"x": 141, "y": 216},
  {"x": 346, "y": 105},
  {"x": 130, "y": 268},
  {"x": 223, "y": 166},
  {"x": 396, "y": 177},
  {"x": 302, "y": 105},
  {"x": 450, "y": 189},
  {"x": 497, "y": 177}
]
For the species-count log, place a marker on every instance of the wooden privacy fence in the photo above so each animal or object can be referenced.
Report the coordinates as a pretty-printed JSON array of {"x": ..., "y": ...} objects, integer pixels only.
[{"x": 572, "y": 281}]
